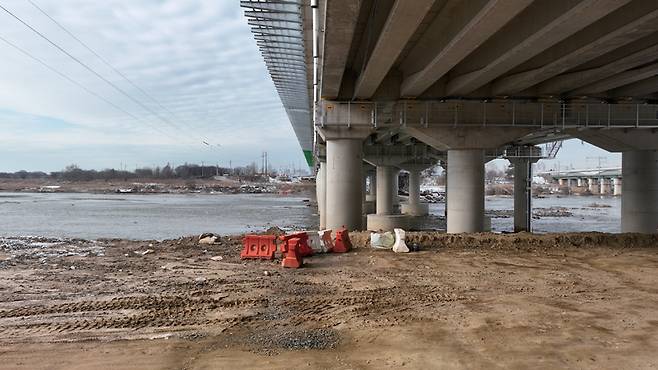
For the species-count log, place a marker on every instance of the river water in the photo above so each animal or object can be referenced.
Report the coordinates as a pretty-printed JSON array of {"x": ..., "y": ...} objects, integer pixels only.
[
  {"x": 163, "y": 216},
  {"x": 588, "y": 213}
]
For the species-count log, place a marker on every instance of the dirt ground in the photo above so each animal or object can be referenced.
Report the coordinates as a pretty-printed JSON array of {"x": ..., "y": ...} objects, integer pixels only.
[{"x": 580, "y": 301}]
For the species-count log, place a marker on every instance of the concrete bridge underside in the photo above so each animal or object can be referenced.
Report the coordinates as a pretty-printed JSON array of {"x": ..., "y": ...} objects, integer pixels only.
[{"x": 465, "y": 79}]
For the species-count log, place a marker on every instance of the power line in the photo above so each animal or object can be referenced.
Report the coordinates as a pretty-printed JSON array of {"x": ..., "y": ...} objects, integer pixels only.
[
  {"x": 108, "y": 64},
  {"x": 120, "y": 90},
  {"x": 27, "y": 54}
]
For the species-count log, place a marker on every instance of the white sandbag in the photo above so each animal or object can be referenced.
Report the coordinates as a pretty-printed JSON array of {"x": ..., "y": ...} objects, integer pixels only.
[
  {"x": 400, "y": 246},
  {"x": 383, "y": 240}
]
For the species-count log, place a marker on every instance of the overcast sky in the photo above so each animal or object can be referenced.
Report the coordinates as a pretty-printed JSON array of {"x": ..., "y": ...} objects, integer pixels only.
[{"x": 196, "y": 58}]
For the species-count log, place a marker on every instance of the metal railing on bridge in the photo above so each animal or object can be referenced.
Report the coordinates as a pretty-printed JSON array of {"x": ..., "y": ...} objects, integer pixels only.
[{"x": 477, "y": 113}]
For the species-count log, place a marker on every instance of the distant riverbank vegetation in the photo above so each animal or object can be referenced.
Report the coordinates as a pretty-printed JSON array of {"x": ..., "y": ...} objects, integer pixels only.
[{"x": 185, "y": 171}]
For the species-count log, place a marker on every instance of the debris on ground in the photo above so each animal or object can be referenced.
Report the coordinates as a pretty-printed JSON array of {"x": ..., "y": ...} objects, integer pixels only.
[
  {"x": 207, "y": 238},
  {"x": 599, "y": 205},
  {"x": 272, "y": 342}
]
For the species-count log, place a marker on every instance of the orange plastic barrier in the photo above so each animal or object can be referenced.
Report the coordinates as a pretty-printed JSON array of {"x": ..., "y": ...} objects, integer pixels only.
[
  {"x": 291, "y": 256},
  {"x": 304, "y": 249},
  {"x": 258, "y": 247},
  {"x": 342, "y": 243}
]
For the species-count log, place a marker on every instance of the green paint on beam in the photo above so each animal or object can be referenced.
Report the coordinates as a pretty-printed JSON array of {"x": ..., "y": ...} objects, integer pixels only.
[{"x": 308, "y": 154}]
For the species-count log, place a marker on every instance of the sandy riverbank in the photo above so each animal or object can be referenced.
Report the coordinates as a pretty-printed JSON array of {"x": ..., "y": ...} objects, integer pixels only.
[
  {"x": 585, "y": 301},
  {"x": 150, "y": 186}
]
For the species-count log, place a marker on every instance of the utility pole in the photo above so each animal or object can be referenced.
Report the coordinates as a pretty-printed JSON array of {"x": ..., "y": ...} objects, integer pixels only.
[
  {"x": 599, "y": 159},
  {"x": 262, "y": 162}
]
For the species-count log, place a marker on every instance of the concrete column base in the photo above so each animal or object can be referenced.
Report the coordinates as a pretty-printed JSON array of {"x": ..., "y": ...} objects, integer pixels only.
[
  {"x": 389, "y": 222},
  {"x": 415, "y": 209}
]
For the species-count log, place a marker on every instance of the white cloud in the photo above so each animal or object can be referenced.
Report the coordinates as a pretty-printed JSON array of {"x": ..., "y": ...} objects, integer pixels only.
[{"x": 196, "y": 57}]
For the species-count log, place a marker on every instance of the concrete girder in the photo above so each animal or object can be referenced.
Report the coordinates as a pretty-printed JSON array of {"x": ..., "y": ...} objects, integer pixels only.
[
  {"x": 640, "y": 88},
  {"x": 637, "y": 20},
  {"x": 451, "y": 138},
  {"x": 470, "y": 24},
  {"x": 571, "y": 81},
  {"x": 384, "y": 137},
  {"x": 342, "y": 132},
  {"x": 541, "y": 26},
  {"x": 341, "y": 19},
  {"x": 403, "y": 20},
  {"x": 420, "y": 164},
  {"x": 618, "y": 80},
  {"x": 394, "y": 155},
  {"x": 619, "y": 139}
]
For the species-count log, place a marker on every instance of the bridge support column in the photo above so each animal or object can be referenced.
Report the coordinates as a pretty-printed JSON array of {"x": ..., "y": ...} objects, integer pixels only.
[
  {"x": 639, "y": 202},
  {"x": 372, "y": 190},
  {"x": 466, "y": 187},
  {"x": 593, "y": 186},
  {"x": 414, "y": 186},
  {"x": 344, "y": 183},
  {"x": 369, "y": 197},
  {"x": 522, "y": 194},
  {"x": 604, "y": 185},
  {"x": 385, "y": 189},
  {"x": 413, "y": 206},
  {"x": 321, "y": 193},
  {"x": 616, "y": 186}
]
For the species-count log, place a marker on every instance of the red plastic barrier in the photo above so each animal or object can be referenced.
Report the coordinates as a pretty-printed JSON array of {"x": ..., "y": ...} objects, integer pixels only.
[
  {"x": 291, "y": 256},
  {"x": 304, "y": 249},
  {"x": 258, "y": 247},
  {"x": 342, "y": 243}
]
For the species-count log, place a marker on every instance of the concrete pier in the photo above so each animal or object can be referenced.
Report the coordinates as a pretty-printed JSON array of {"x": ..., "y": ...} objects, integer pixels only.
[
  {"x": 616, "y": 186},
  {"x": 413, "y": 206},
  {"x": 604, "y": 185},
  {"x": 386, "y": 176},
  {"x": 466, "y": 187},
  {"x": 369, "y": 197},
  {"x": 321, "y": 193},
  {"x": 639, "y": 202},
  {"x": 396, "y": 189},
  {"x": 522, "y": 194},
  {"x": 344, "y": 184},
  {"x": 593, "y": 185},
  {"x": 414, "y": 186}
]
